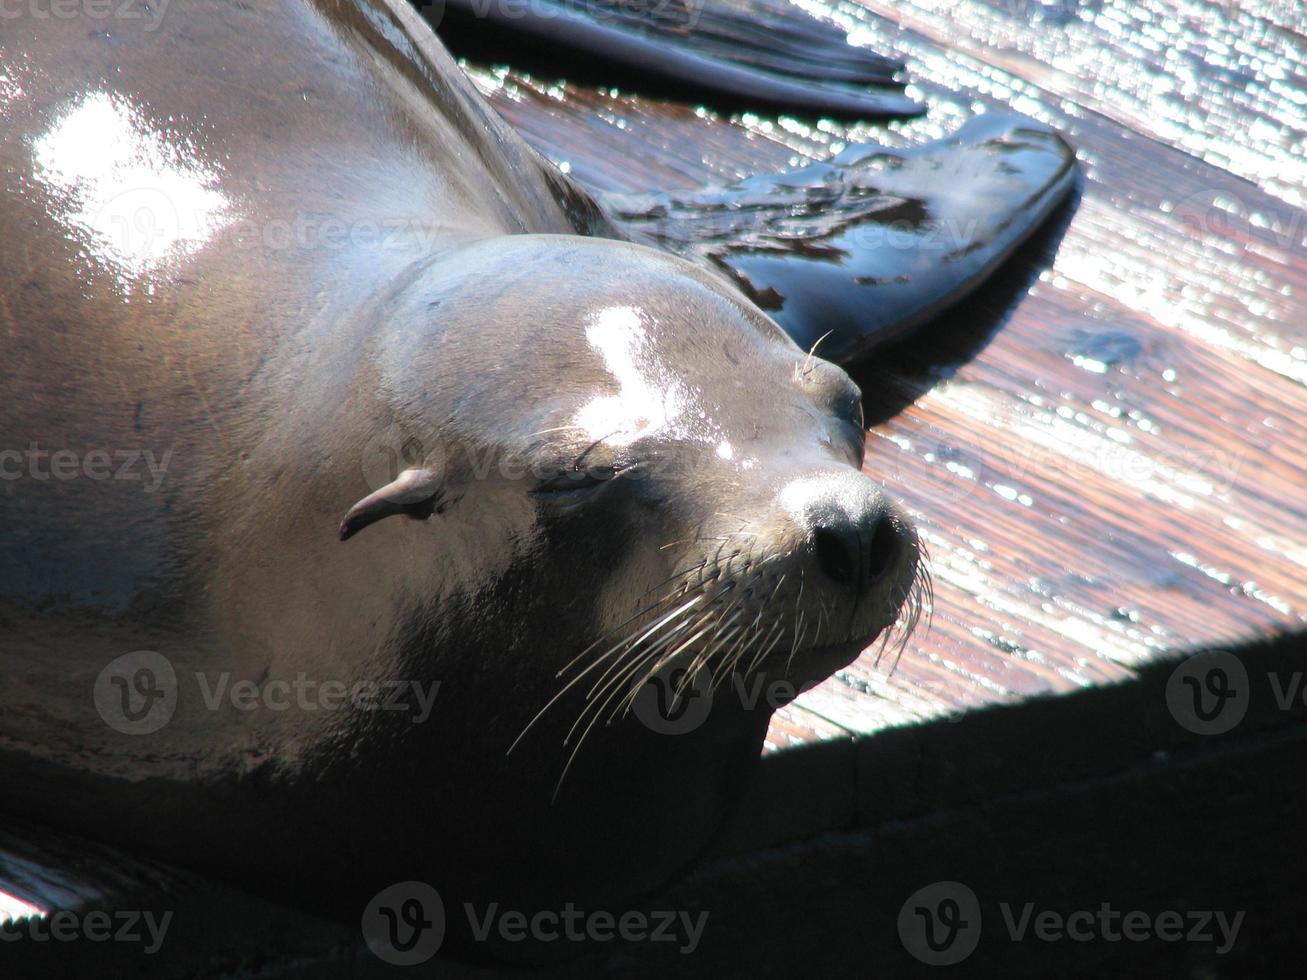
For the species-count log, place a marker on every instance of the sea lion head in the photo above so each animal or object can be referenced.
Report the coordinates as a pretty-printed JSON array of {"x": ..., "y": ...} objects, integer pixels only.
[
  {"x": 603, "y": 465},
  {"x": 651, "y": 471}
]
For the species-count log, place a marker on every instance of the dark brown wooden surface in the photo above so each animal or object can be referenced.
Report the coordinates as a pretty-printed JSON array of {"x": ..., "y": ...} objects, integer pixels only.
[{"x": 1106, "y": 461}]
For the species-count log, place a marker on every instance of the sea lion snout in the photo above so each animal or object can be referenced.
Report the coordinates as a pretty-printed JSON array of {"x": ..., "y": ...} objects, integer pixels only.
[
  {"x": 857, "y": 537},
  {"x": 792, "y": 572},
  {"x": 854, "y": 551}
]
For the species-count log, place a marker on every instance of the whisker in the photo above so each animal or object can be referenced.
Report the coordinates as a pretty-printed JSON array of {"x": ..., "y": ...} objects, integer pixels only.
[
  {"x": 575, "y": 680},
  {"x": 741, "y": 643},
  {"x": 613, "y": 688},
  {"x": 716, "y": 644},
  {"x": 807, "y": 361},
  {"x": 798, "y": 623},
  {"x": 557, "y": 428},
  {"x": 655, "y": 654},
  {"x": 621, "y": 679},
  {"x": 694, "y": 540},
  {"x": 918, "y": 601},
  {"x": 598, "y": 713},
  {"x": 715, "y": 616},
  {"x": 649, "y": 632},
  {"x": 671, "y": 656},
  {"x": 609, "y": 632},
  {"x": 778, "y": 627},
  {"x": 683, "y": 572},
  {"x": 762, "y": 655}
]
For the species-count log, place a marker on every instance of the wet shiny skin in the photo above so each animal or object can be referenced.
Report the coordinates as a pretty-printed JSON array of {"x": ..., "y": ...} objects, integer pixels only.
[{"x": 265, "y": 245}]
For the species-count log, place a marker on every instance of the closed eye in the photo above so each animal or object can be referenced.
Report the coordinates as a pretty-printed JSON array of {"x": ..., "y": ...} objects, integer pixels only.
[{"x": 574, "y": 480}]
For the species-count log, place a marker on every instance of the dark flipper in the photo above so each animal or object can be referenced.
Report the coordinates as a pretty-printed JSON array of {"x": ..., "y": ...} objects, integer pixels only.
[
  {"x": 860, "y": 249},
  {"x": 768, "y": 52}
]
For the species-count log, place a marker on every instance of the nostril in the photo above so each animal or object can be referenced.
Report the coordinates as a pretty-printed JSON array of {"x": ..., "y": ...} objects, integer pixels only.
[
  {"x": 886, "y": 545},
  {"x": 860, "y": 557},
  {"x": 836, "y": 554}
]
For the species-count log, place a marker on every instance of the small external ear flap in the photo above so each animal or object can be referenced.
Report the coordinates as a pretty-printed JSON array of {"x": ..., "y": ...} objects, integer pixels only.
[{"x": 415, "y": 493}]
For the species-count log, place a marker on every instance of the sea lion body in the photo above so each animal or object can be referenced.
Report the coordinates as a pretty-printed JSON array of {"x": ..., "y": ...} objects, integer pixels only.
[
  {"x": 231, "y": 359},
  {"x": 337, "y": 263}
]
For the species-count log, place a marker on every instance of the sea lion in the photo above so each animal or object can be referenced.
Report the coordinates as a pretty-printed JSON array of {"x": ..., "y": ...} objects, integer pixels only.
[{"x": 344, "y": 453}]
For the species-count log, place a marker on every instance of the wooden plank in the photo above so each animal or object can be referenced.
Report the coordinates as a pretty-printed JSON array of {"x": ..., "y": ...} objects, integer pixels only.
[
  {"x": 1101, "y": 447},
  {"x": 1222, "y": 81}
]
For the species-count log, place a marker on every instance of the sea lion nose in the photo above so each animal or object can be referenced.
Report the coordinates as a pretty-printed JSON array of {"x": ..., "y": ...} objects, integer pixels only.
[
  {"x": 857, "y": 551},
  {"x": 856, "y": 536}
]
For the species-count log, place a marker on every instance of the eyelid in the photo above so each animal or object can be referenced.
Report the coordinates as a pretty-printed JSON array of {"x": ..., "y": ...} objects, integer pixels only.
[{"x": 578, "y": 479}]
